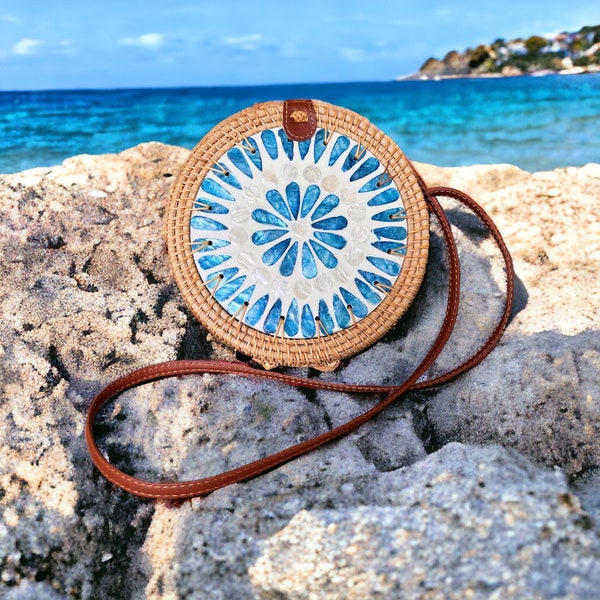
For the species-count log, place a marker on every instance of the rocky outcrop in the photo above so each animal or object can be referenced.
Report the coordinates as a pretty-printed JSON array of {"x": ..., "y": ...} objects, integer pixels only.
[
  {"x": 564, "y": 53},
  {"x": 471, "y": 490}
]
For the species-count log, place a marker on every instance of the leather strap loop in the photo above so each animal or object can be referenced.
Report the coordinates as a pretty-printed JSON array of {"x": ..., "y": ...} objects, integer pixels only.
[
  {"x": 188, "y": 489},
  {"x": 299, "y": 119}
]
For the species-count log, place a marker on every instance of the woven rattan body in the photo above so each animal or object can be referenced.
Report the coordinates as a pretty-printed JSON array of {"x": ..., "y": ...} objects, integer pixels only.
[{"x": 324, "y": 349}]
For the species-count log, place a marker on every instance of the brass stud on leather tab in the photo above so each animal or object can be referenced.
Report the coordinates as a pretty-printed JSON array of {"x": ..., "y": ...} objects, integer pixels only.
[{"x": 299, "y": 116}]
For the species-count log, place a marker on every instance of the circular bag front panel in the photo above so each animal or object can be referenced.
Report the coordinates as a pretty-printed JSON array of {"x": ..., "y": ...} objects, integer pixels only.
[{"x": 297, "y": 253}]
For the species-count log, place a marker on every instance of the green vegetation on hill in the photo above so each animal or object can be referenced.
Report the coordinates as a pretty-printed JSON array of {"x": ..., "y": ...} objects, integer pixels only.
[{"x": 565, "y": 52}]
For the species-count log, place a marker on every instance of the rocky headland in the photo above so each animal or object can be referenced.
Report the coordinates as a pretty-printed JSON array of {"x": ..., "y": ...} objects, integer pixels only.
[
  {"x": 566, "y": 53},
  {"x": 485, "y": 488}
]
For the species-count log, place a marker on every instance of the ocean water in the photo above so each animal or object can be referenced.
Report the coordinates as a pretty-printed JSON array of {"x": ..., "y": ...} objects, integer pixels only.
[{"x": 536, "y": 123}]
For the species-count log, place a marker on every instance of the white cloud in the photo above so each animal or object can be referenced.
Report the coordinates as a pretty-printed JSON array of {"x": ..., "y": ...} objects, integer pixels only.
[
  {"x": 444, "y": 13},
  {"x": 27, "y": 46},
  {"x": 10, "y": 19},
  {"x": 353, "y": 54},
  {"x": 244, "y": 42},
  {"x": 146, "y": 40}
]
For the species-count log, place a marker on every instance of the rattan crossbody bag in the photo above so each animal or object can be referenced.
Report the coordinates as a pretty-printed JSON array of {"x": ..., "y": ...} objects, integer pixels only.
[{"x": 298, "y": 234}]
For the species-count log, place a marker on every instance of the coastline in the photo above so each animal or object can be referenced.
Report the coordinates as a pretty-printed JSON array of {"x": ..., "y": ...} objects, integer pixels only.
[{"x": 419, "y": 76}]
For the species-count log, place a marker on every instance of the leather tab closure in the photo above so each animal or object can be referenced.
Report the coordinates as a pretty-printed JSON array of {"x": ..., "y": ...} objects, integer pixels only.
[{"x": 299, "y": 119}]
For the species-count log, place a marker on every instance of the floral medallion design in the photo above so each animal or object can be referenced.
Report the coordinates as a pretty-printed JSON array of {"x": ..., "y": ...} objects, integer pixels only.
[{"x": 298, "y": 239}]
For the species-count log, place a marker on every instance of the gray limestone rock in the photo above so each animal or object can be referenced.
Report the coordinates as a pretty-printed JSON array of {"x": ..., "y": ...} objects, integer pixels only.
[
  {"x": 466, "y": 522},
  {"x": 87, "y": 296}
]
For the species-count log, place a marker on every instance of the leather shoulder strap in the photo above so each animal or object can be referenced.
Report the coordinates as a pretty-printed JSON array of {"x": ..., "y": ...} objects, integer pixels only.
[{"x": 391, "y": 393}]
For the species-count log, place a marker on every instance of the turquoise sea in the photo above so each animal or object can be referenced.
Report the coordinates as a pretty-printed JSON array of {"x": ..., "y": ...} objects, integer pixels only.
[{"x": 537, "y": 123}]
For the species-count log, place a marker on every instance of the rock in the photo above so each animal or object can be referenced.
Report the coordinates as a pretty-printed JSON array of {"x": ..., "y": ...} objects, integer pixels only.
[
  {"x": 87, "y": 296},
  {"x": 539, "y": 391},
  {"x": 464, "y": 523},
  {"x": 587, "y": 489}
]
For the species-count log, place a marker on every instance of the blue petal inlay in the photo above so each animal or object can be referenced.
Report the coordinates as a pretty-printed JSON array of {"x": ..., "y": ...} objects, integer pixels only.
[
  {"x": 319, "y": 144},
  {"x": 201, "y": 204},
  {"x": 310, "y": 198},
  {"x": 256, "y": 311},
  {"x": 386, "y": 197},
  {"x": 392, "y": 233},
  {"x": 224, "y": 174},
  {"x": 354, "y": 157},
  {"x": 390, "y": 247},
  {"x": 273, "y": 318},
  {"x": 287, "y": 144},
  {"x": 331, "y": 223},
  {"x": 275, "y": 199},
  {"x": 272, "y": 255},
  {"x": 391, "y": 214},
  {"x": 286, "y": 268},
  {"x": 325, "y": 207},
  {"x": 208, "y": 244},
  {"x": 216, "y": 189},
  {"x": 307, "y": 322},
  {"x": 264, "y": 236},
  {"x": 304, "y": 147},
  {"x": 236, "y": 156},
  {"x": 373, "y": 279},
  {"x": 212, "y": 260},
  {"x": 377, "y": 183},
  {"x": 292, "y": 319},
  {"x": 324, "y": 255},
  {"x": 341, "y": 144},
  {"x": 325, "y": 317},
  {"x": 226, "y": 274},
  {"x": 206, "y": 224},
  {"x": 387, "y": 266},
  {"x": 292, "y": 193},
  {"x": 358, "y": 307},
  {"x": 230, "y": 288},
  {"x": 270, "y": 142},
  {"x": 342, "y": 316},
  {"x": 266, "y": 218},
  {"x": 331, "y": 239},
  {"x": 370, "y": 165},
  {"x": 309, "y": 266},
  {"x": 236, "y": 304},
  {"x": 367, "y": 292},
  {"x": 254, "y": 154},
  {"x": 287, "y": 245}
]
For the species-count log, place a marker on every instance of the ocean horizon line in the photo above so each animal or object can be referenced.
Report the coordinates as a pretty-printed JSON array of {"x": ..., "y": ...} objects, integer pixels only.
[
  {"x": 204, "y": 87},
  {"x": 410, "y": 78}
]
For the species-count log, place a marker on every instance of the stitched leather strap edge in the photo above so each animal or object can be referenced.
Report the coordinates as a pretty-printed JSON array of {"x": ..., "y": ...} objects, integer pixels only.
[{"x": 187, "y": 489}]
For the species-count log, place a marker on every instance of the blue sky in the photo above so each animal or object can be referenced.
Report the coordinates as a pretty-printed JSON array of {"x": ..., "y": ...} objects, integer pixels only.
[{"x": 156, "y": 43}]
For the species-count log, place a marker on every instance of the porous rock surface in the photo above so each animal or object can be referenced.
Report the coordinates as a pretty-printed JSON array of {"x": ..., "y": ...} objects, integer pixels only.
[{"x": 471, "y": 490}]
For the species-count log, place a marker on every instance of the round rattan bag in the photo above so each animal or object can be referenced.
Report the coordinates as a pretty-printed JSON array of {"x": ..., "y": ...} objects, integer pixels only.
[{"x": 298, "y": 233}]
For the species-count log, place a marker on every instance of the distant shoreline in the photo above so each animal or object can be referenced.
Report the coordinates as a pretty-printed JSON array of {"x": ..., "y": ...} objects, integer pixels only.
[{"x": 593, "y": 69}]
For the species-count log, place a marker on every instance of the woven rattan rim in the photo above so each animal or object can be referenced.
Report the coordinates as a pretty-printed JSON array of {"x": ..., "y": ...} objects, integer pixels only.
[{"x": 322, "y": 352}]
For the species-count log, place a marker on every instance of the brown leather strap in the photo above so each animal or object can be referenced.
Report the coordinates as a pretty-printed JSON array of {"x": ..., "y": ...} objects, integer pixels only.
[{"x": 187, "y": 367}]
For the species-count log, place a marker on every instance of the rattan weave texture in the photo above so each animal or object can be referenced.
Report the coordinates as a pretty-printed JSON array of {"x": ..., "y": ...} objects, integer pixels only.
[{"x": 324, "y": 350}]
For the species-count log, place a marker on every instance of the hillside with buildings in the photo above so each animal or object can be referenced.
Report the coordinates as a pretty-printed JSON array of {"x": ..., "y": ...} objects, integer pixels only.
[{"x": 577, "y": 52}]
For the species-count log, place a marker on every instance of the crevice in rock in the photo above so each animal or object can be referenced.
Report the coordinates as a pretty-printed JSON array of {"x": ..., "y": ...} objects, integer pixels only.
[
  {"x": 139, "y": 318},
  {"x": 147, "y": 273},
  {"x": 313, "y": 397},
  {"x": 166, "y": 293},
  {"x": 56, "y": 363},
  {"x": 194, "y": 343},
  {"x": 424, "y": 428}
]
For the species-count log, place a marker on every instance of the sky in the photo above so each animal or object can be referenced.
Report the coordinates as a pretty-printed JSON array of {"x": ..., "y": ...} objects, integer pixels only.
[{"x": 102, "y": 44}]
